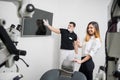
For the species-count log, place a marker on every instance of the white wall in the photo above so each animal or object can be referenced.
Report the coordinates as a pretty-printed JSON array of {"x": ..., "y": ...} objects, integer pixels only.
[
  {"x": 43, "y": 52},
  {"x": 8, "y": 11}
]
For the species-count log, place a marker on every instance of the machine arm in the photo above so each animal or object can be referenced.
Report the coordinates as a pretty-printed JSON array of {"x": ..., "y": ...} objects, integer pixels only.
[
  {"x": 10, "y": 49},
  {"x": 9, "y": 44}
]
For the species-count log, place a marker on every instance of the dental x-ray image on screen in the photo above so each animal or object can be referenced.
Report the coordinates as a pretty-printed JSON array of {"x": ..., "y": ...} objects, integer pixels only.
[{"x": 34, "y": 26}]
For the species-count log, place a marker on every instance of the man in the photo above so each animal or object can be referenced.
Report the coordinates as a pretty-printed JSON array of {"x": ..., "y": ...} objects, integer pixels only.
[{"x": 68, "y": 46}]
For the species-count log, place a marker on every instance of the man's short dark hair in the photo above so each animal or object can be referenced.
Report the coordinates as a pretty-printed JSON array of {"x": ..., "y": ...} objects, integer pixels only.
[{"x": 72, "y": 23}]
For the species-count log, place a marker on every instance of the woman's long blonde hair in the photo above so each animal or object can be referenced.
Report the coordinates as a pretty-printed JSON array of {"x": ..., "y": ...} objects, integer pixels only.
[{"x": 97, "y": 31}]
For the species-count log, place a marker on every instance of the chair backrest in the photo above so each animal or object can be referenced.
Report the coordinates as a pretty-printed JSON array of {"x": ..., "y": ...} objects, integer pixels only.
[
  {"x": 54, "y": 74},
  {"x": 50, "y": 75},
  {"x": 78, "y": 76}
]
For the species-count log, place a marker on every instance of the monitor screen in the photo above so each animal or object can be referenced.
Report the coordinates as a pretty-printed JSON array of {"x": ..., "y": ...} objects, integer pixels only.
[{"x": 34, "y": 26}]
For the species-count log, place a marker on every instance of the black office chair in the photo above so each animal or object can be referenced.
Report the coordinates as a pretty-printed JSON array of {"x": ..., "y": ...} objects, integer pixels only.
[{"x": 54, "y": 74}]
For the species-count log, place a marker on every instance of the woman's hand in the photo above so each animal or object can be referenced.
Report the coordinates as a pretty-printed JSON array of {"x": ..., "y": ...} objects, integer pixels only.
[
  {"x": 83, "y": 60},
  {"x": 77, "y": 60}
]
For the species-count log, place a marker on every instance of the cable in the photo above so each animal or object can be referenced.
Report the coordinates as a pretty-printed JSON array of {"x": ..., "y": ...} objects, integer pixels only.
[{"x": 24, "y": 62}]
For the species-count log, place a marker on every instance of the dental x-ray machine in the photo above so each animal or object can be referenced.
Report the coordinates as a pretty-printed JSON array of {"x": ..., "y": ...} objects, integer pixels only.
[{"x": 112, "y": 45}]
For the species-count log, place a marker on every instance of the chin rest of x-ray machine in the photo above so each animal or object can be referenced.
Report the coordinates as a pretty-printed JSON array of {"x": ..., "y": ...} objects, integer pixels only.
[{"x": 65, "y": 73}]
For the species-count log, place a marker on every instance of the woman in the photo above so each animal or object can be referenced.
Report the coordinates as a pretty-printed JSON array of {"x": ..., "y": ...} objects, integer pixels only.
[{"x": 91, "y": 45}]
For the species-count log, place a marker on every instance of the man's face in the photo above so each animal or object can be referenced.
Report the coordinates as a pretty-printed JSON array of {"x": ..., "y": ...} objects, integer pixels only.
[{"x": 70, "y": 27}]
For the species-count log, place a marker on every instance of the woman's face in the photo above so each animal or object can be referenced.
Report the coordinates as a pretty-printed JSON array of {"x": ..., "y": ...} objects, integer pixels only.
[{"x": 91, "y": 30}]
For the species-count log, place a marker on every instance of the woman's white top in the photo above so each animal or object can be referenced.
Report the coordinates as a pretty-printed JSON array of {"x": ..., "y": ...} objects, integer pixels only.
[{"x": 91, "y": 47}]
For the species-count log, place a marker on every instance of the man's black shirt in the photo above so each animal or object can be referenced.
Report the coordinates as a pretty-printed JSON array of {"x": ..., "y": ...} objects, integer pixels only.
[{"x": 67, "y": 39}]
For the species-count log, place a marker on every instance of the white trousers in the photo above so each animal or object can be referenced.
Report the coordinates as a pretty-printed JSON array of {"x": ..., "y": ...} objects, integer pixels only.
[{"x": 66, "y": 54}]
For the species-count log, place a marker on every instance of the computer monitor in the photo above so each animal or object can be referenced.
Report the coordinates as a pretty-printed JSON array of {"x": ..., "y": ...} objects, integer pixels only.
[{"x": 30, "y": 27}]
